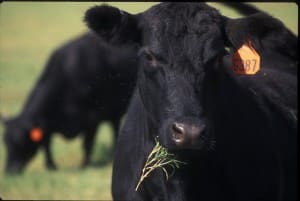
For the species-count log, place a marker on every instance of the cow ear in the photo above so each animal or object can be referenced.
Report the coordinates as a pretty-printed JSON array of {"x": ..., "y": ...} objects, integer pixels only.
[
  {"x": 264, "y": 32},
  {"x": 113, "y": 25}
]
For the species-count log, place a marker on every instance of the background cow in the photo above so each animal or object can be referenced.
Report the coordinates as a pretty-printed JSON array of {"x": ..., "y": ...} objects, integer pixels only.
[
  {"x": 84, "y": 82},
  {"x": 237, "y": 133}
]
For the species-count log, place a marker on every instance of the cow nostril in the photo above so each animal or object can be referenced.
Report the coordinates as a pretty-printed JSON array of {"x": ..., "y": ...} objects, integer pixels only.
[
  {"x": 178, "y": 128},
  {"x": 178, "y": 132},
  {"x": 196, "y": 131}
]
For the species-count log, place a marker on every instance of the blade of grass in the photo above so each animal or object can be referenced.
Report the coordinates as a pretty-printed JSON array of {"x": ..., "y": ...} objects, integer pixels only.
[{"x": 159, "y": 158}]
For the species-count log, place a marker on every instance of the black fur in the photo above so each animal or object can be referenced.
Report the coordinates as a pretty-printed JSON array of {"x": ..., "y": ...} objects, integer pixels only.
[
  {"x": 249, "y": 148},
  {"x": 85, "y": 81}
]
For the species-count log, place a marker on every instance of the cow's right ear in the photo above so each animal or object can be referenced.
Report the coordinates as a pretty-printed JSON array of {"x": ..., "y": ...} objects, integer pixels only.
[
  {"x": 113, "y": 25},
  {"x": 264, "y": 32}
]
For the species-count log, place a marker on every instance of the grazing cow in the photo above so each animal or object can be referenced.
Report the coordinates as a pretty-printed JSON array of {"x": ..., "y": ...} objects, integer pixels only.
[
  {"x": 85, "y": 81},
  {"x": 237, "y": 133}
]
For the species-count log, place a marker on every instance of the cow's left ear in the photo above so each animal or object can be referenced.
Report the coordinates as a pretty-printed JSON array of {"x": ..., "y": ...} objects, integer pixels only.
[
  {"x": 264, "y": 32},
  {"x": 113, "y": 25}
]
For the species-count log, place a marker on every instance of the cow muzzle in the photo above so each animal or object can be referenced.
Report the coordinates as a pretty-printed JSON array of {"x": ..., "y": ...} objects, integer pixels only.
[
  {"x": 14, "y": 168},
  {"x": 188, "y": 134}
]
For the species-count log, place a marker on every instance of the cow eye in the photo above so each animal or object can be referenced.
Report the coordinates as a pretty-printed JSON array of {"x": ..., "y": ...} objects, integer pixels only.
[{"x": 150, "y": 59}]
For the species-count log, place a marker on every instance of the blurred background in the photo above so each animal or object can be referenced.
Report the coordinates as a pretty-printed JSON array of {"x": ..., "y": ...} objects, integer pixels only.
[{"x": 29, "y": 32}]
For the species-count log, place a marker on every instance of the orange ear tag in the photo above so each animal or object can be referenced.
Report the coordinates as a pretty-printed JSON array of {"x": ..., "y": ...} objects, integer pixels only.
[
  {"x": 246, "y": 60},
  {"x": 36, "y": 134}
]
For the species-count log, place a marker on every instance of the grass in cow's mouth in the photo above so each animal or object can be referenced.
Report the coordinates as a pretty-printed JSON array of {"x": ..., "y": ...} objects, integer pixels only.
[{"x": 159, "y": 158}]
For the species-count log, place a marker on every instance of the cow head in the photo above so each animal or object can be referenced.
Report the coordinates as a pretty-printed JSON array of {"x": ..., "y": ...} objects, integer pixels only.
[
  {"x": 181, "y": 48},
  {"x": 20, "y": 146}
]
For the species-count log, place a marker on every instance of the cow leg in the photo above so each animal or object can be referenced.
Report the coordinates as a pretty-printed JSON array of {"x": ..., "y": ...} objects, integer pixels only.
[
  {"x": 49, "y": 160},
  {"x": 88, "y": 141}
]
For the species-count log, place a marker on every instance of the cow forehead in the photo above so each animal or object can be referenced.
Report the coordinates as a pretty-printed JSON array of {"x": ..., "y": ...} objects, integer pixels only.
[
  {"x": 180, "y": 27},
  {"x": 176, "y": 18},
  {"x": 175, "y": 8}
]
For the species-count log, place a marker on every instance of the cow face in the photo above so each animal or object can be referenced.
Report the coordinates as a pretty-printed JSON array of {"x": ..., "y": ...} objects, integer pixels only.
[
  {"x": 19, "y": 147},
  {"x": 176, "y": 48},
  {"x": 181, "y": 46}
]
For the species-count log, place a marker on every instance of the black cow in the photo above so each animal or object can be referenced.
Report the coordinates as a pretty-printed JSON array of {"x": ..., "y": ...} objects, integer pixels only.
[
  {"x": 236, "y": 133},
  {"x": 85, "y": 81}
]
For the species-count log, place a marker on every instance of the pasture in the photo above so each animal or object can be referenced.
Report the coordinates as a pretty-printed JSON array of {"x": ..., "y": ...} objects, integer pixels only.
[{"x": 29, "y": 32}]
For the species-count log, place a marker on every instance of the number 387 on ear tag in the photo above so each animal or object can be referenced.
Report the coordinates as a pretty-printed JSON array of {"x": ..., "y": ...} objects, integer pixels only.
[{"x": 246, "y": 60}]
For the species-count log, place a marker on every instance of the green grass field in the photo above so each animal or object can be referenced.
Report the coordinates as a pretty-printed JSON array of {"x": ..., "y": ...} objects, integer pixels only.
[{"x": 29, "y": 32}]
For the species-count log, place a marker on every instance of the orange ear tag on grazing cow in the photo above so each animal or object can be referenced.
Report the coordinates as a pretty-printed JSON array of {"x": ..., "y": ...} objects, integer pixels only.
[
  {"x": 246, "y": 60},
  {"x": 36, "y": 134}
]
